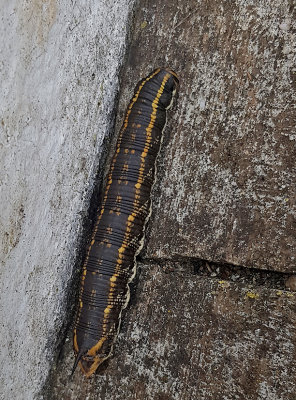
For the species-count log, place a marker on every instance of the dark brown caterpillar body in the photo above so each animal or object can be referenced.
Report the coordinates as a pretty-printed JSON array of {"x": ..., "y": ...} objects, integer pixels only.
[{"x": 118, "y": 233}]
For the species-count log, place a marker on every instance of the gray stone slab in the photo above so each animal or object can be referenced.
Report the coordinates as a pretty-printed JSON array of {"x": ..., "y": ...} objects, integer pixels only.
[
  {"x": 190, "y": 337},
  {"x": 226, "y": 174},
  {"x": 59, "y": 78}
]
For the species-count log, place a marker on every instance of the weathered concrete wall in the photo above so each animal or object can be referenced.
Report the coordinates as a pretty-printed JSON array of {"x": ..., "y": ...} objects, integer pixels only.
[
  {"x": 58, "y": 73},
  {"x": 188, "y": 337},
  {"x": 225, "y": 192}
]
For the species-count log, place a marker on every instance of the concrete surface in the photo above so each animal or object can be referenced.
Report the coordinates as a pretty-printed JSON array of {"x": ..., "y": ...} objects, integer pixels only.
[
  {"x": 226, "y": 174},
  {"x": 196, "y": 329},
  {"x": 225, "y": 193},
  {"x": 188, "y": 337},
  {"x": 59, "y": 77}
]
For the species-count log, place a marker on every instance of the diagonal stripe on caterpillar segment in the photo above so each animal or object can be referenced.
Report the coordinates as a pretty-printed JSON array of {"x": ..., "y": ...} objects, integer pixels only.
[{"x": 118, "y": 234}]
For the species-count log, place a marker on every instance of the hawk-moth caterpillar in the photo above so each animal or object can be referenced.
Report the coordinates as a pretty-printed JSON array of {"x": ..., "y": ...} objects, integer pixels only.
[{"x": 117, "y": 237}]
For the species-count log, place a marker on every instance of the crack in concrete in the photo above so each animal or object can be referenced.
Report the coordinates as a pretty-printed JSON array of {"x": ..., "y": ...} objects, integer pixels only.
[{"x": 254, "y": 277}]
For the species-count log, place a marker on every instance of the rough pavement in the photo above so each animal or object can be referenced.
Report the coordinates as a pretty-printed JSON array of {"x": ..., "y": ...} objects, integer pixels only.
[{"x": 225, "y": 194}]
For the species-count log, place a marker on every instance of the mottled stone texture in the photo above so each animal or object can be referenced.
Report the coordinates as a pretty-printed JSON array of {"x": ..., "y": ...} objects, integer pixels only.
[
  {"x": 186, "y": 337},
  {"x": 226, "y": 176},
  {"x": 225, "y": 193},
  {"x": 59, "y": 78}
]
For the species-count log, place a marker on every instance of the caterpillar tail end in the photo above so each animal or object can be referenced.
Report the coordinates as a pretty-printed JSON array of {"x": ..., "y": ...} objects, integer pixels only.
[{"x": 88, "y": 365}]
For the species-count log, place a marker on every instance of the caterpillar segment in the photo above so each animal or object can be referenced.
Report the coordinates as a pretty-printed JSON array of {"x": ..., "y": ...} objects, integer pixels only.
[{"x": 118, "y": 234}]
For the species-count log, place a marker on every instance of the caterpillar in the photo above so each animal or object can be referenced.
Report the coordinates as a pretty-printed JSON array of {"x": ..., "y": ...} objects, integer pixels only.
[{"x": 117, "y": 237}]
